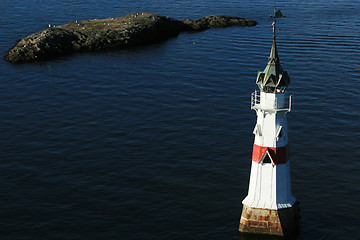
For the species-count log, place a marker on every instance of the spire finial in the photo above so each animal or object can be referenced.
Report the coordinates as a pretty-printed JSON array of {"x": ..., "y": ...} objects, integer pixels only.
[
  {"x": 273, "y": 79},
  {"x": 274, "y": 22},
  {"x": 277, "y": 14},
  {"x": 274, "y": 28}
]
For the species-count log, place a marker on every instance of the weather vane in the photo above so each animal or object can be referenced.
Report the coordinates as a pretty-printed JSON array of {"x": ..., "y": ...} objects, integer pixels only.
[{"x": 277, "y": 14}]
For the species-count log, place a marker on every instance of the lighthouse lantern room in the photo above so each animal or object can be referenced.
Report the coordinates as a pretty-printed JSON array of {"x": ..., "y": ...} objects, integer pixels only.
[{"x": 269, "y": 207}]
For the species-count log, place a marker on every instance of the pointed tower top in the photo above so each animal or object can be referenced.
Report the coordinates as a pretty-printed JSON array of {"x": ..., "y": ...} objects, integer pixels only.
[{"x": 273, "y": 79}]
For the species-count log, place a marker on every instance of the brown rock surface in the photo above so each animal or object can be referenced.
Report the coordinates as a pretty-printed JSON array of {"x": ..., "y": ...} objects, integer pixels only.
[{"x": 112, "y": 33}]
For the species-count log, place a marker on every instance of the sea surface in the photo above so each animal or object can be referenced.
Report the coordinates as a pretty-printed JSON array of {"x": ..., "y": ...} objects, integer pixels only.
[{"x": 155, "y": 142}]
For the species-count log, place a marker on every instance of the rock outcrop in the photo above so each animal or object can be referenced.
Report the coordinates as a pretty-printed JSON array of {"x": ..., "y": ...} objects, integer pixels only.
[{"x": 112, "y": 33}]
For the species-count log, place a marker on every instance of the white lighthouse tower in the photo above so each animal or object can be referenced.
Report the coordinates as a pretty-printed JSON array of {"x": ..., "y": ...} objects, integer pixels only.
[{"x": 269, "y": 207}]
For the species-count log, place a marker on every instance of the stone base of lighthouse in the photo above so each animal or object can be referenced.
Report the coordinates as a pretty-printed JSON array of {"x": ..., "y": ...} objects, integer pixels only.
[{"x": 282, "y": 222}]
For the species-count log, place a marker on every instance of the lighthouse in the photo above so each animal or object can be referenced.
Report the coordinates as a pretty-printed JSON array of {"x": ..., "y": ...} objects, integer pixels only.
[{"x": 269, "y": 207}]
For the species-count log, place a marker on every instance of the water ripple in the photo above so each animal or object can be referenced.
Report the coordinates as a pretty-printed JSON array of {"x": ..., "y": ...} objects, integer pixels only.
[{"x": 158, "y": 138}]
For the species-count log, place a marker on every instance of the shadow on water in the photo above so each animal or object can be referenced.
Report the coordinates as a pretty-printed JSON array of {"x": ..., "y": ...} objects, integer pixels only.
[{"x": 252, "y": 236}]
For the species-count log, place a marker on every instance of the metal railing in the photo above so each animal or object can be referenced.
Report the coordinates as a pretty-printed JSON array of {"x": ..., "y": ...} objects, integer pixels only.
[
  {"x": 255, "y": 98},
  {"x": 270, "y": 105}
]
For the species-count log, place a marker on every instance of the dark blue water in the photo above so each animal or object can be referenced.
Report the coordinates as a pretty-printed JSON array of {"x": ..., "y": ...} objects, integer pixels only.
[{"x": 155, "y": 142}]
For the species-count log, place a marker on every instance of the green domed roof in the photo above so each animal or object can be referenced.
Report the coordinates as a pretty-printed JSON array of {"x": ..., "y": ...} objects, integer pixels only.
[{"x": 273, "y": 79}]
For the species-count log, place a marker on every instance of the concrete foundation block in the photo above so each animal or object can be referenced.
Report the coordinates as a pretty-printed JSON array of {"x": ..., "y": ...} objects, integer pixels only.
[{"x": 282, "y": 222}]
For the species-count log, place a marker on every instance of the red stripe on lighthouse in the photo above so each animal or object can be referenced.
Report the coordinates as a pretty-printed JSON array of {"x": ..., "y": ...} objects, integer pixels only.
[{"x": 278, "y": 154}]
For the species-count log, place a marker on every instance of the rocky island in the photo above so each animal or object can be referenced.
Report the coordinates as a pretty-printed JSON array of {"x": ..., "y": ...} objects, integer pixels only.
[{"x": 111, "y": 33}]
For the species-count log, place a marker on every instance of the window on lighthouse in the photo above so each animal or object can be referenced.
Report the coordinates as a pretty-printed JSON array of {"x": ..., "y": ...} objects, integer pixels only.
[
  {"x": 266, "y": 158},
  {"x": 257, "y": 130},
  {"x": 279, "y": 133}
]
